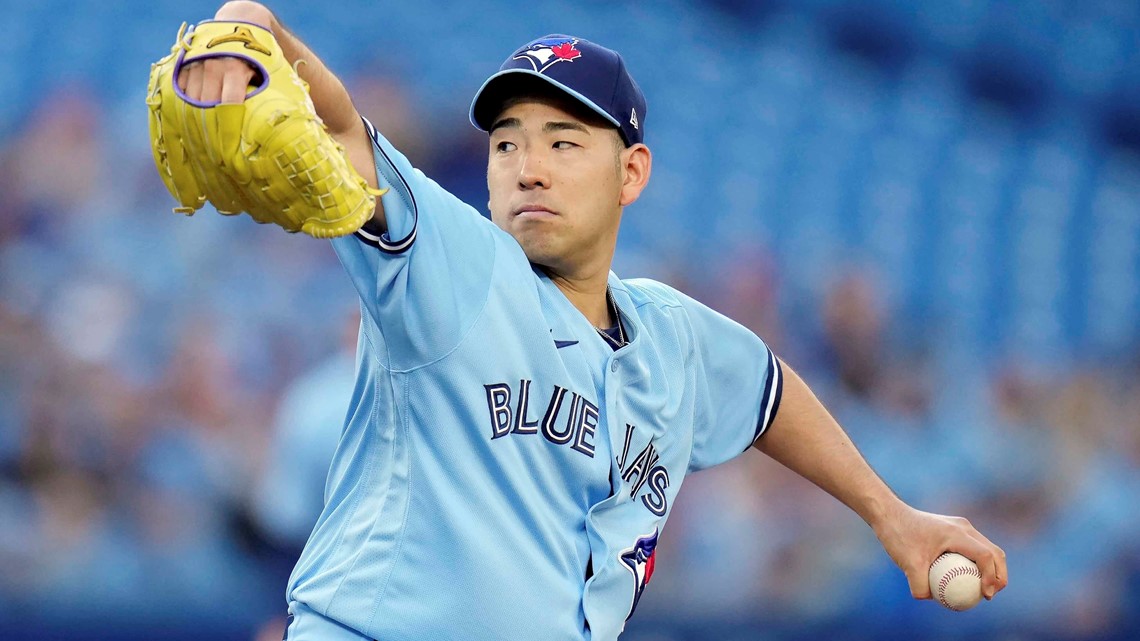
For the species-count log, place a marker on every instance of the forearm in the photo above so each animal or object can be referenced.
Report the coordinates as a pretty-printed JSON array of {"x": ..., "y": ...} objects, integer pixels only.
[
  {"x": 330, "y": 98},
  {"x": 807, "y": 440}
]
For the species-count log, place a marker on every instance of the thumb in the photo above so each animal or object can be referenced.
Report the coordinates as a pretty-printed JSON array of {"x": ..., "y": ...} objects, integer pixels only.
[{"x": 919, "y": 580}]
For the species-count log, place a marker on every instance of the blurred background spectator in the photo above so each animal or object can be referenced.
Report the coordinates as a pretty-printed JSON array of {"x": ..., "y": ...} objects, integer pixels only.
[{"x": 930, "y": 207}]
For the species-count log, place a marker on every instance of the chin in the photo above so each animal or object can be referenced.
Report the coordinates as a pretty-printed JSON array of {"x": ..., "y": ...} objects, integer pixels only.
[
  {"x": 539, "y": 252},
  {"x": 539, "y": 256}
]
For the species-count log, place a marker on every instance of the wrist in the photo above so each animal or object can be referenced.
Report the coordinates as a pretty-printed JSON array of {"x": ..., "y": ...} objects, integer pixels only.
[{"x": 880, "y": 511}]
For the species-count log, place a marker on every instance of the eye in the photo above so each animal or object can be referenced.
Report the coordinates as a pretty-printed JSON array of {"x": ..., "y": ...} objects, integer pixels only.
[
  {"x": 505, "y": 146},
  {"x": 564, "y": 144}
]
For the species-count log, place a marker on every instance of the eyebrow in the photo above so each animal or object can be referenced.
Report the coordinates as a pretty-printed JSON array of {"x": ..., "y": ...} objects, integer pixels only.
[
  {"x": 549, "y": 127},
  {"x": 505, "y": 122},
  {"x": 565, "y": 125}
]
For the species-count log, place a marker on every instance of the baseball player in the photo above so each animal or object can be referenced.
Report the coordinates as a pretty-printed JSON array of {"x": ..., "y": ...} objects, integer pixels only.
[{"x": 522, "y": 418}]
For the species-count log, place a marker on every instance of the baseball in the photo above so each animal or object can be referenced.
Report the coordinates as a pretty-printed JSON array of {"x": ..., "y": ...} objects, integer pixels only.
[{"x": 955, "y": 581}]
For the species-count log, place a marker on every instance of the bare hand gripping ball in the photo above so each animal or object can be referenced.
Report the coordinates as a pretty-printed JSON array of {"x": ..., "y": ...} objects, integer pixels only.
[
  {"x": 955, "y": 581},
  {"x": 269, "y": 156}
]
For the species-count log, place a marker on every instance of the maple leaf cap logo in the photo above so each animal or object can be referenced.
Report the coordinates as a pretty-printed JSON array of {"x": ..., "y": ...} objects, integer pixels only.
[{"x": 566, "y": 51}]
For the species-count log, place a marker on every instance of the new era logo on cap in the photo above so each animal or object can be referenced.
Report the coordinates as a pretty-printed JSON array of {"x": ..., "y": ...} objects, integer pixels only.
[{"x": 593, "y": 75}]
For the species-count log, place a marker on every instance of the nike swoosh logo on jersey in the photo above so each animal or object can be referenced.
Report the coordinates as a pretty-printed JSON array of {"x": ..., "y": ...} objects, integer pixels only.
[{"x": 560, "y": 344}]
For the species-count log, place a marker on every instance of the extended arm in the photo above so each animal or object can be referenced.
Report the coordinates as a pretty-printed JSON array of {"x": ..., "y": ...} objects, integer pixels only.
[
  {"x": 807, "y": 440},
  {"x": 226, "y": 79}
]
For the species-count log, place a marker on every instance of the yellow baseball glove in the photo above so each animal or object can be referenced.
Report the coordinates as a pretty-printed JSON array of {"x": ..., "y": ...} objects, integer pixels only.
[{"x": 270, "y": 156}]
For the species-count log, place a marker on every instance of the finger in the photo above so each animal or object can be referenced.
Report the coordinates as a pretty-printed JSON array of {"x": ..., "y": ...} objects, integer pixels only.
[
  {"x": 995, "y": 582},
  {"x": 213, "y": 72},
  {"x": 183, "y": 77},
  {"x": 1000, "y": 575},
  {"x": 978, "y": 549},
  {"x": 1002, "y": 570},
  {"x": 235, "y": 83},
  {"x": 194, "y": 82},
  {"x": 995, "y": 574}
]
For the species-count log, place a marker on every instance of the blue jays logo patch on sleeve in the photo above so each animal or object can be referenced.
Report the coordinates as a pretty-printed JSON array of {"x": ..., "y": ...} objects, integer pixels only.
[
  {"x": 639, "y": 560},
  {"x": 544, "y": 53}
]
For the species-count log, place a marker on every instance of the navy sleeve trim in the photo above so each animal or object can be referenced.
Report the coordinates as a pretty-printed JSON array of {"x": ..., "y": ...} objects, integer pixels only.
[
  {"x": 382, "y": 242},
  {"x": 773, "y": 392}
]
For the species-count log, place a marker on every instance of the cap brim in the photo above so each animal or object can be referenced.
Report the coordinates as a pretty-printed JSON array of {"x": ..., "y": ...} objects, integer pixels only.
[{"x": 498, "y": 88}]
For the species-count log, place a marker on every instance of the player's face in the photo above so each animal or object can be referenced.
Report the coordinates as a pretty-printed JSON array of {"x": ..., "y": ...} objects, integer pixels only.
[{"x": 557, "y": 184}]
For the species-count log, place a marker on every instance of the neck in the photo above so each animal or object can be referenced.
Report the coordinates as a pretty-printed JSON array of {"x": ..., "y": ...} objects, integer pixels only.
[{"x": 588, "y": 295}]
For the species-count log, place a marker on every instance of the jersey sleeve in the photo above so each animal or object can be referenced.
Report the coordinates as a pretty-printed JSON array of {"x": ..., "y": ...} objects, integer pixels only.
[
  {"x": 738, "y": 384},
  {"x": 424, "y": 281}
]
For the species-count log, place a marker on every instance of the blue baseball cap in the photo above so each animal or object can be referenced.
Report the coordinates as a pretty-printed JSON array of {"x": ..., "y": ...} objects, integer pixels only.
[{"x": 590, "y": 73}]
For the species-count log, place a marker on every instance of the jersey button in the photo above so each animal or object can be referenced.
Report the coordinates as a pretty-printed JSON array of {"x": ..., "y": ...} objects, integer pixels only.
[{"x": 614, "y": 366}]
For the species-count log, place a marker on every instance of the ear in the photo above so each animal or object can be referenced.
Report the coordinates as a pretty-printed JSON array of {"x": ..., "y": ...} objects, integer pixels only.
[{"x": 637, "y": 164}]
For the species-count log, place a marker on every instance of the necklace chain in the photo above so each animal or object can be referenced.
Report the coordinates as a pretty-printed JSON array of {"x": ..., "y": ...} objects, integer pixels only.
[{"x": 617, "y": 317}]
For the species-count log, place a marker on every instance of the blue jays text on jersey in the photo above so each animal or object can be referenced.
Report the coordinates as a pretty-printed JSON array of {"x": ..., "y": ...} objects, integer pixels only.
[
  {"x": 580, "y": 418},
  {"x": 503, "y": 473},
  {"x": 576, "y": 427}
]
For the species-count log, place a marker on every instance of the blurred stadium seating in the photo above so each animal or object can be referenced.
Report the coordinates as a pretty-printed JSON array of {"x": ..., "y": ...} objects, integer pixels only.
[{"x": 929, "y": 207}]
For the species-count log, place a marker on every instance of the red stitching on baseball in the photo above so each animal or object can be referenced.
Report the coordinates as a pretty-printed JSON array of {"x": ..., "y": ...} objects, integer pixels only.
[{"x": 950, "y": 575}]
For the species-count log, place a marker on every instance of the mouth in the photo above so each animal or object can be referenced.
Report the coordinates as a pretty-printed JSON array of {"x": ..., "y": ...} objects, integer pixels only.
[{"x": 532, "y": 211}]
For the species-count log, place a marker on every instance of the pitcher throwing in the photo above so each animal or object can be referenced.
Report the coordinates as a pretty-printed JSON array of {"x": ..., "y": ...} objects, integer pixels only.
[{"x": 523, "y": 418}]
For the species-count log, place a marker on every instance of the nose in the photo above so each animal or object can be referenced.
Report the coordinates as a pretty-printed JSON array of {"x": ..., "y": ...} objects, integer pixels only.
[{"x": 533, "y": 173}]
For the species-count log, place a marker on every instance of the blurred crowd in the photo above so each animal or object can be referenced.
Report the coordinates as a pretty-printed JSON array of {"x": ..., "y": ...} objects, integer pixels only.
[{"x": 171, "y": 391}]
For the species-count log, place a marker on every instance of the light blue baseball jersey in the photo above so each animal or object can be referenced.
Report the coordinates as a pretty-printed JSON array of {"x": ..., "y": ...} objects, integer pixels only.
[{"x": 503, "y": 472}]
